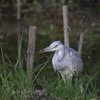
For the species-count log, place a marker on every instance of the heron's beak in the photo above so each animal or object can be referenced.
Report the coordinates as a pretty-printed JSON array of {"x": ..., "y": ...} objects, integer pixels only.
[{"x": 45, "y": 50}]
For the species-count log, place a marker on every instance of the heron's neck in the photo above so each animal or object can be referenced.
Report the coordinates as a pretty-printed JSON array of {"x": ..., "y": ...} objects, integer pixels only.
[{"x": 60, "y": 54}]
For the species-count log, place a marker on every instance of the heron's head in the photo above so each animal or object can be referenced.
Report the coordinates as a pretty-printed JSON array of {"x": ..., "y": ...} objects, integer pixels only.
[{"x": 57, "y": 45}]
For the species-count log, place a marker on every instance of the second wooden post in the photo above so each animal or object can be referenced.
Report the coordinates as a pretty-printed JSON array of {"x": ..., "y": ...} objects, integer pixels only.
[{"x": 31, "y": 53}]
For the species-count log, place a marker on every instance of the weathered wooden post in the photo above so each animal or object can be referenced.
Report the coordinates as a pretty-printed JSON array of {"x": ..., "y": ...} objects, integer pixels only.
[
  {"x": 18, "y": 10},
  {"x": 19, "y": 33},
  {"x": 18, "y": 19},
  {"x": 31, "y": 53},
  {"x": 80, "y": 43},
  {"x": 65, "y": 25}
]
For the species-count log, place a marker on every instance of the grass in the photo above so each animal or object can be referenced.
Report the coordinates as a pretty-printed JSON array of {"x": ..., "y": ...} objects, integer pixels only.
[
  {"x": 13, "y": 85},
  {"x": 84, "y": 89}
]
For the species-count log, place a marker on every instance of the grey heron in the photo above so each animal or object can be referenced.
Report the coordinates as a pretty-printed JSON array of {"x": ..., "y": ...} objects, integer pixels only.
[{"x": 66, "y": 60}]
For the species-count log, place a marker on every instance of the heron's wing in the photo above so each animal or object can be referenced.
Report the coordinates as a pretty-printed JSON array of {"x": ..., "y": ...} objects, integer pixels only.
[
  {"x": 71, "y": 60},
  {"x": 54, "y": 62}
]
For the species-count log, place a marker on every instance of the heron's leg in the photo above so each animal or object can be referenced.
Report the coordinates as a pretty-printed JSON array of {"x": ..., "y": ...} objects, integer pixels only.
[
  {"x": 81, "y": 89},
  {"x": 63, "y": 77}
]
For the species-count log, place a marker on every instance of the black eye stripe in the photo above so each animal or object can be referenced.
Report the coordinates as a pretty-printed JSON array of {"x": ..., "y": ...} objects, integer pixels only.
[{"x": 55, "y": 46}]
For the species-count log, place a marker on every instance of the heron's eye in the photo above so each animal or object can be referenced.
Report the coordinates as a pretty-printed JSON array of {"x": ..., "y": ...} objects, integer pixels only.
[{"x": 55, "y": 46}]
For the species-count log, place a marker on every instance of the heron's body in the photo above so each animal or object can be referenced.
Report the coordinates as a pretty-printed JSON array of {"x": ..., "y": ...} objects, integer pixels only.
[
  {"x": 73, "y": 62},
  {"x": 66, "y": 60}
]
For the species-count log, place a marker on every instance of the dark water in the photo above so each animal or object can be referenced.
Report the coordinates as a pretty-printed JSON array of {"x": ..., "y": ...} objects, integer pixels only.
[{"x": 49, "y": 23}]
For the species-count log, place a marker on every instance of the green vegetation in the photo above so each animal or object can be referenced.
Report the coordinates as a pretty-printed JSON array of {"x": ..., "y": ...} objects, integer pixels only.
[{"x": 13, "y": 85}]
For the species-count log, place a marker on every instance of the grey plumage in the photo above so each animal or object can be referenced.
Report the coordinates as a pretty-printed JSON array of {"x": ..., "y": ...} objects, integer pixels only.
[{"x": 66, "y": 60}]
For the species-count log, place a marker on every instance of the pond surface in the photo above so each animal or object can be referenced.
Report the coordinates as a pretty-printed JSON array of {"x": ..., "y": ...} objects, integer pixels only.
[{"x": 49, "y": 23}]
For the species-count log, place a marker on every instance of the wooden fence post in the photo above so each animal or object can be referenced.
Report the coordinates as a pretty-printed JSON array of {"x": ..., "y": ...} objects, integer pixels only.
[
  {"x": 65, "y": 25},
  {"x": 18, "y": 21},
  {"x": 80, "y": 43},
  {"x": 19, "y": 33},
  {"x": 31, "y": 53},
  {"x": 18, "y": 10}
]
